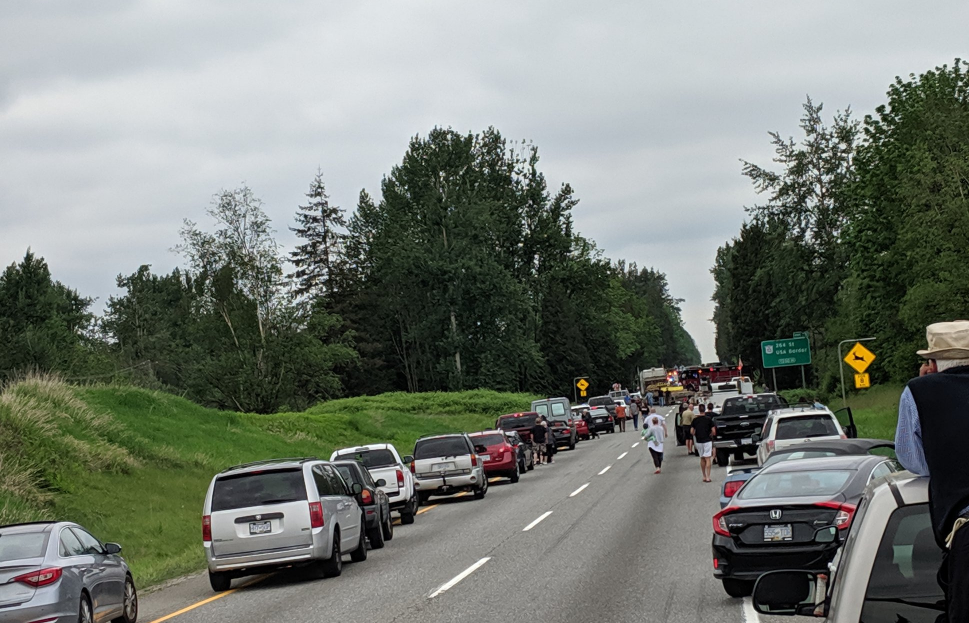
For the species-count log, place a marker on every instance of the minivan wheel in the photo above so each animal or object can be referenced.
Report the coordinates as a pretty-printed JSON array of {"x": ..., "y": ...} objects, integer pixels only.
[
  {"x": 738, "y": 588},
  {"x": 129, "y": 613},
  {"x": 360, "y": 554},
  {"x": 334, "y": 566},
  {"x": 84, "y": 614},
  {"x": 219, "y": 581},
  {"x": 388, "y": 527}
]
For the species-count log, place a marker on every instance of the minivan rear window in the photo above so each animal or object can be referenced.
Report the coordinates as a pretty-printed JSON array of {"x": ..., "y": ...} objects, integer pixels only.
[
  {"x": 440, "y": 447},
  {"x": 814, "y": 483},
  {"x": 806, "y": 426},
  {"x": 371, "y": 458},
  {"x": 258, "y": 489},
  {"x": 23, "y": 545}
]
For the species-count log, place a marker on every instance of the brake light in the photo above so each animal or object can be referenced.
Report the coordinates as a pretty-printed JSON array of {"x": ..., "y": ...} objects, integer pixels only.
[
  {"x": 316, "y": 515},
  {"x": 44, "y": 577},
  {"x": 400, "y": 478},
  {"x": 412, "y": 467},
  {"x": 770, "y": 446},
  {"x": 570, "y": 422},
  {"x": 716, "y": 563},
  {"x": 731, "y": 487},
  {"x": 207, "y": 529},
  {"x": 366, "y": 497},
  {"x": 474, "y": 460},
  {"x": 846, "y": 512},
  {"x": 720, "y": 521}
]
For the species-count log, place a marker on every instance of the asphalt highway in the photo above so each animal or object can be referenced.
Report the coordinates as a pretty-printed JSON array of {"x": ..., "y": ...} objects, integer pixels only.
[{"x": 593, "y": 537}]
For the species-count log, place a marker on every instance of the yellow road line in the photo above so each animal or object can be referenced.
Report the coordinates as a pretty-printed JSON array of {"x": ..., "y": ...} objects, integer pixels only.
[
  {"x": 426, "y": 508},
  {"x": 209, "y": 600},
  {"x": 494, "y": 479}
]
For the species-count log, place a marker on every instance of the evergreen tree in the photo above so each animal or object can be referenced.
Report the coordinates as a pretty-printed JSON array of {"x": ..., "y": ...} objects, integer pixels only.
[{"x": 319, "y": 225}]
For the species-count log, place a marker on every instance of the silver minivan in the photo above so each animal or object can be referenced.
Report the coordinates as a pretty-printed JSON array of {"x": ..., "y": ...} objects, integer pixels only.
[{"x": 283, "y": 512}]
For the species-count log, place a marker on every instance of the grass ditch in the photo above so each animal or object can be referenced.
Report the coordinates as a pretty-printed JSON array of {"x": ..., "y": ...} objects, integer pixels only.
[{"x": 133, "y": 465}]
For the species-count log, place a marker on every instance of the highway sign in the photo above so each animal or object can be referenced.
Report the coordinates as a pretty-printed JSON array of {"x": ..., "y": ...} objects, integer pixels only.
[
  {"x": 862, "y": 381},
  {"x": 859, "y": 358},
  {"x": 582, "y": 385},
  {"x": 792, "y": 351},
  {"x": 582, "y": 393}
]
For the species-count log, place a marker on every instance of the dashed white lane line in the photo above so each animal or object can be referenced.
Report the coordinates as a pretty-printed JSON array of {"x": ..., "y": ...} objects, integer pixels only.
[
  {"x": 537, "y": 521},
  {"x": 747, "y": 611},
  {"x": 578, "y": 491},
  {"x": 450, "y": 584},
  {"x": 622, "y": 455},
  {"x": 635, "y": 444},
  {"x": 607, "y": 468}
]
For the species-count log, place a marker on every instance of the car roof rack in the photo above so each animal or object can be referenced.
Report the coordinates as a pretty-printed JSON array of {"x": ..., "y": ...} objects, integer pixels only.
[{"x": 297, "y": 459}]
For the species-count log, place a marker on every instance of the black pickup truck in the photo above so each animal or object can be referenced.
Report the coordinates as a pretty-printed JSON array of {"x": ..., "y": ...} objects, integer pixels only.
[{"x": 739, "y": 418}]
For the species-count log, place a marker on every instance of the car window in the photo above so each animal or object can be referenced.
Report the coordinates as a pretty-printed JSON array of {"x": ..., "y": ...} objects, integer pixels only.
[
  {"x": 882, "y": 469},
  {"x": 558, "y": 409},
  {"x": 323, "y": 485},
  {"x": 797, "y": 456},
  {"x": 765, "y": 433},
  {"x": 751, "y": 404},
  {"x": 90, "y": 544},
  {"x": 337, "y": 482},
  {"x": 22, "y": 545},
  {"x": 493, "y": 439},
  {"x": 806, "y": 426},
  {"x": 903, "y": 585},
  {"x": 795, "y": 484},
  {"x": 523, "y": 421},
  {"x": 369, "y": 459},
  {"x": 69, "y": 544},
  {"x": 542, "y": 409},
  {"x": 258, "y": 488},
  {"x": 440, "y": 447}
]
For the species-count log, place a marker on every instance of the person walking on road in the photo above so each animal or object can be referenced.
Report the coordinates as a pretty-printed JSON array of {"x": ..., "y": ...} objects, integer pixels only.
[
  {"x": 654, "y": 433},
  {"x": 539, "y": 435},
  {"x": 590, "y": 423},
  {"x": 621, "y": 417},
  {"x": 634, "y": 411},
  {"x": 686, "y": 424},
  {"x": 703, "y": 431},
  {"x": 933, "y": 428},
  {"x": 549, "y": 441}
]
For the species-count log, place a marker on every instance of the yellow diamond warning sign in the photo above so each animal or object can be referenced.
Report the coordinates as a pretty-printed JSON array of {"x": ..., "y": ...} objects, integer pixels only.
[
  {"x": 859, "y": 358},
  {"x": 582, "y": 385}
]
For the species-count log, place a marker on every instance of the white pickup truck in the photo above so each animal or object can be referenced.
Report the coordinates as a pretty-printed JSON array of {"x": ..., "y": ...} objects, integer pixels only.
[{"x": 384, "y": 463}]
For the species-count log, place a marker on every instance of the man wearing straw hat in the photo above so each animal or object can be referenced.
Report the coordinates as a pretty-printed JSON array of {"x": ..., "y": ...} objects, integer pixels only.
[{"x": 933, "y": 430}]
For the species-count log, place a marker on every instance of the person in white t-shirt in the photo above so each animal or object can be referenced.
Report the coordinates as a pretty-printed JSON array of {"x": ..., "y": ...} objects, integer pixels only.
[{"x": 654, "y": 432}]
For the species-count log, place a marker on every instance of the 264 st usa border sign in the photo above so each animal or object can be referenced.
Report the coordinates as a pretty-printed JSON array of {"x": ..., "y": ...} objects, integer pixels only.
[{"x": 792, "y": 351}]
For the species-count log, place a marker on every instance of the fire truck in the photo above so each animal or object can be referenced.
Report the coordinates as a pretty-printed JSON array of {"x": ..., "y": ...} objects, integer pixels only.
[{"x": 708, "y": 374}]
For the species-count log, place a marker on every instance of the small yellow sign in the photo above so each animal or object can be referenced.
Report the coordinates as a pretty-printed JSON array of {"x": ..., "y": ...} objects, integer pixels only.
[
  {"x": 582, "y": 393},
  {"x": 862, "y": 381},
  {"x": 582, "y": 385},
  {"x": 859, "y": 358}
]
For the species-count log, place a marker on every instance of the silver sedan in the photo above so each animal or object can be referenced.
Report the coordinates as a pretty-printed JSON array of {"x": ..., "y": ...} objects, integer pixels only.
[{"x": 58, "y": 572}]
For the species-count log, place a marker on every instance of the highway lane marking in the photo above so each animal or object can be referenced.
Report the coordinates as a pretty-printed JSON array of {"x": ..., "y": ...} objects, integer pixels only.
[
  {"x": 622, "y": 455},
  {"x": 450, "y": 584},
  {"x": 578, "y": 491},
  {"x": 425, "y": 509},
  {"x": 539, "y": 520},
  {"x": 635, "y": 444},
  {"x": 209, "y": 600},
  {"x": 494, "y": 479},
  {"x": 607, "y": 468},
  {"x": 748, "y": 612}
]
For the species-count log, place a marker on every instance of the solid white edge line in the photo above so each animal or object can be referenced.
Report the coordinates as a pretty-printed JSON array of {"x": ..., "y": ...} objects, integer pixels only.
[
  {"x": 747, "y": 611},
  {"x": 537, "y": 521},
  {"x": 606, "y": 469},
  {"x": 635, "y": 444},
  {"x": 459, "y": 577},
  {"x": 578, "y": 491},
  {"x": 622, "y": 455}
]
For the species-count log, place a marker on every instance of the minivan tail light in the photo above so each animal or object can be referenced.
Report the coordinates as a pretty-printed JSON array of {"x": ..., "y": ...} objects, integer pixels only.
[
  {"x": 44, "y": 577},
  {"x": 316, "y": 514},
  {"x": 720, "y": 521},
  {"x": 400, "y": 478},
  {"x": 207, "y": 529}
]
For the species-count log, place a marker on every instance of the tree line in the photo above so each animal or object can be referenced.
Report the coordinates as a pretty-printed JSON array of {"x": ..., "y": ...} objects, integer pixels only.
[
  {"x": 864, "y": 233},
  {"x": 466, "y": 272}
]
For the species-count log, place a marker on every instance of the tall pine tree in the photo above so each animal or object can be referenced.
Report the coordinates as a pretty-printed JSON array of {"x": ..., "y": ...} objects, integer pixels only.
[{"x": 317, "y": 224}]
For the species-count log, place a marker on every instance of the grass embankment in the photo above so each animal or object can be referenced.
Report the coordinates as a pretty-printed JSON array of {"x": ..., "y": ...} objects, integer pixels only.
[
  {"x": 133, "y": 465},
  {"x": 875, "y": 410}
]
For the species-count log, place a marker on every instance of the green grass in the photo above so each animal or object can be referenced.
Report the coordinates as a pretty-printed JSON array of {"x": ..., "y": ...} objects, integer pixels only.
[
  {"x": 133, "y": 465},
  {"x": 875, "y": 411}
]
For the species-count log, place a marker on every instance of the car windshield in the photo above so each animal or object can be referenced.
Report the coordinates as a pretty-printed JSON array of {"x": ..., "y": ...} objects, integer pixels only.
[
  {"x": 441, "y": 446},
  {"x": 778, "y": 457},
  {"x": 370, "y": 458},
  {"x": 349, "y": 474},
  {"x": 812, "y": 483},
  {"x": 22, "y": 545},
  {"x": 518, "y": 421},
  {"x": 806, "y": 426},
  {"x": 258, "y": 489},
  {"x": 493, "y": 439},
  {"x": 751, "y": 404}
]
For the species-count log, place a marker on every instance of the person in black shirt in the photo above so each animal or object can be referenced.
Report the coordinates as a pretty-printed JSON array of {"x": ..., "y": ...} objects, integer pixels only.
[
  {"x": 703, "y": 431},
  {"x": 539, "y": 434}
]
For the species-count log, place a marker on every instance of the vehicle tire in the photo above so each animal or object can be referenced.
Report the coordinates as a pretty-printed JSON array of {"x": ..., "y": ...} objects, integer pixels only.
[
  {"x": 738, "y": 588},
  {"x": 723, "y": 457},
  {"x": 360, "y": 554},
  {"x": 376, "y": 537},
  {"x": 572, "y": 443},
  {"x": 480, "y": 493},
  {"x": 423, "y": 498},
  {"x": 515, "y": 475},
  {"x": 388, "y": 527},
  {"x": 613, "y": 428},
  {"x": 84, "y": 612},
  {"x": 407, "y": 513},
  {"x": 129, "y": 613},
  {"x": 333, "y": 567},
  {"x": 219, "y": 581}
]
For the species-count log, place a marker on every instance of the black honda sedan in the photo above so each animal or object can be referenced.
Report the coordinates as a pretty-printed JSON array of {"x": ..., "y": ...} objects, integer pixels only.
[{"x": 773, "y": 522}]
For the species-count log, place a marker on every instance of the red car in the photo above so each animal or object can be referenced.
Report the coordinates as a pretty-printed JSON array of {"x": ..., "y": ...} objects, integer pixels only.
[
  {"x": 500, "y": 457},
  {"x": 581, "y": 426}
]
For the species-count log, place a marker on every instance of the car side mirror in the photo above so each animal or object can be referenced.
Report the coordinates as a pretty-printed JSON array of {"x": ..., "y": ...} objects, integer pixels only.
[
  {"x": 356, "y": 488},
  {"x": 112, "y": 548},
  {"x": 381, "y": 482},
  {"x": 826, "y": 535},
  {"x": 408, "y": 459},
  {"x": 787, "y": 593}
]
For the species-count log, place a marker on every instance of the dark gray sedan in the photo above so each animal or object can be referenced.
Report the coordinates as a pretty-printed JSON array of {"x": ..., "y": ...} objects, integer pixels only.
[{"x": 58, "y": 572}]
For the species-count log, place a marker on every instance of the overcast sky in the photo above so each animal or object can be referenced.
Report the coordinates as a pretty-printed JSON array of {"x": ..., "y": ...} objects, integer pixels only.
[{"x": 118, "y": 119}]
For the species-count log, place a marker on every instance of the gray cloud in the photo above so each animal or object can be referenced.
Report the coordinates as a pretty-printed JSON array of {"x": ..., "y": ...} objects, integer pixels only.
[{"x": 118, "y": 119}]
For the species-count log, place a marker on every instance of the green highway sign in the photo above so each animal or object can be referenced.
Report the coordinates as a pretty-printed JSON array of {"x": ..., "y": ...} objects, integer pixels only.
[{"x": 792, "y": 351}]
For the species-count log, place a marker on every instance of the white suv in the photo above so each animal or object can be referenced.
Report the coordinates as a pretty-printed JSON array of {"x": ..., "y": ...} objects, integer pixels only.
[
  {"x": 790, "y": 426},
  {"x": 277, "y": 513},
  {"x": 446, "y": 464}
]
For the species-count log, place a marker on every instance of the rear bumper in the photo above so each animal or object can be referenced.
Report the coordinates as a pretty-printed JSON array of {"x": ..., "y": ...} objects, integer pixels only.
[
  {"x": 598, "y": 426},
  {"x": 749, "y": 563},
  {"x": 319, "y": 550},
  {"x": 563, "y": 437},
  {"x": 500, "y": 467},
  {"x": 448, "y": 485},
  {"x": 47, "y": 603},
  {"x": 734, "y": 444}
]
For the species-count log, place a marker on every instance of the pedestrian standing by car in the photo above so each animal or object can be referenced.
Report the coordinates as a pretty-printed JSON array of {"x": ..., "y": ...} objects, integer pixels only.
[
  {"x": 686, "y": 423},
  {"x": 621, "y": 416},
  {"x": 703, "y": 431},
  {"x": 933, "y": 429},
  {"x": 549, "y": 441},
  {"x": 539, "y": 434},
  {"x": 710, "y": 410},
  {"x": 655, "y": 434},
  {"x": 590, "y": 423},
  {"x": 649, "y": 398}
]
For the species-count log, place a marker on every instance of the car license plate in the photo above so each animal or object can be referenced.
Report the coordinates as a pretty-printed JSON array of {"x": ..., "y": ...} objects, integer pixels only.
[
  {"x": 442, "y": 467},
  {"x": 260, "y": 527},
  {"x": 746, "y": 441},
  {"x": 778, "y": 533},
  {"x": 485, "y": 457}
]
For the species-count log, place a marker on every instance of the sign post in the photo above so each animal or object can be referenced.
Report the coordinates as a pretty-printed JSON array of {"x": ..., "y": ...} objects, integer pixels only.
[
  {"x": 792, "y": 351},
  {"x": 858, "y": 358},
  {"x": 582, "y": 385}
]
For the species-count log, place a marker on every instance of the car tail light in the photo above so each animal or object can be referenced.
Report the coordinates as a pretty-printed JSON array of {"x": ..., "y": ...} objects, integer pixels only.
[
  {"x": 400, "y": 478},
  {"x": 770, "y": 446},
  {"x": 716, "y": 563},
  {"x": 731, "y": 487},
  {"x": 846, "y": 512},
  {"x": 412, "y": 467},
  {"x": 316, "y": 514},
  {"x": 366, "y": 497},
  {"x": 570, "y": 422},
  {"x": 44, "y": 577},
  {"x": 207, "y": 528},
  {"x": 720, "y": 521},
  {"x": 474, "y": 460}
]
